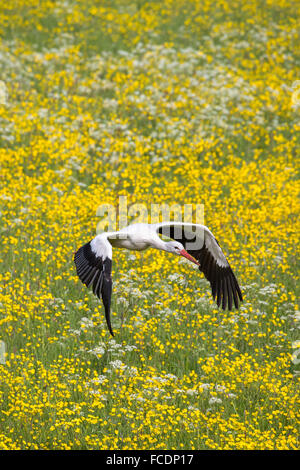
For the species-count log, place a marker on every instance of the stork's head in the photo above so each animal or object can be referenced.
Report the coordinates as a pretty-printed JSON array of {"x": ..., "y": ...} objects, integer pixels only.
[{"x": 178, "y": 249}]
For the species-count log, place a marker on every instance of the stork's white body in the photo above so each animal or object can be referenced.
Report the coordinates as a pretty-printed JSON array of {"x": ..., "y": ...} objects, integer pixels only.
[{"x": 137, "y": 237}]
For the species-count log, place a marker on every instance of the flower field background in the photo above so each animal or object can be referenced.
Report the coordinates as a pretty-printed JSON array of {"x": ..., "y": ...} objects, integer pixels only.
[{"x": 186, "y": 101}]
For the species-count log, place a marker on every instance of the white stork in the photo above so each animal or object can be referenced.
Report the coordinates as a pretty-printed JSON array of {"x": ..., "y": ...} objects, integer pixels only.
[{"x": 193, "y": 241}]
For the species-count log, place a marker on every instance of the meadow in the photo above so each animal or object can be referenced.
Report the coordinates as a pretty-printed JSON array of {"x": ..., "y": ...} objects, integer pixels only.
[{"x": 186, "y": 101}]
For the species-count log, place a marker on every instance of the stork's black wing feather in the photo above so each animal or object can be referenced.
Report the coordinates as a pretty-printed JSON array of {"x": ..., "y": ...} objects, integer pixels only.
[
  {"x": 95, "y": 271},
  {"x": 212, "y": 262},
  {"x": 222, "y": 279}
]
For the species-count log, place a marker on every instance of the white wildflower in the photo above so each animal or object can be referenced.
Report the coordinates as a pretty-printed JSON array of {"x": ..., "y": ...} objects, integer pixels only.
[
  {"x": 86, "y": 323},
  {"x": 296, "y": 356},
  {"x": 3, "y": 93},
  {"x": 205, "y": 386},
  {"x": 98, "y": 351},
  {"x": 214, "y": 400},
  {"x": 117, "y": 364}
]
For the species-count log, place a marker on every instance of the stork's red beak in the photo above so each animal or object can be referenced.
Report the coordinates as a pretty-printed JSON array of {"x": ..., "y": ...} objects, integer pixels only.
[{"x": 189, "y": 257}]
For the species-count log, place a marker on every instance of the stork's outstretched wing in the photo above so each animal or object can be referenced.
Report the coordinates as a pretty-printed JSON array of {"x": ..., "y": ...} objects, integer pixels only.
[
  {"x": 93, "y": 265},
  {"x": 200, "y": 243}
]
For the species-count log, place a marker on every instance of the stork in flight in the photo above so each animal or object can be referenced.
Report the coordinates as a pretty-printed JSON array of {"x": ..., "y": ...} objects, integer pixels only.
[{"x": 193, "y": 241}]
